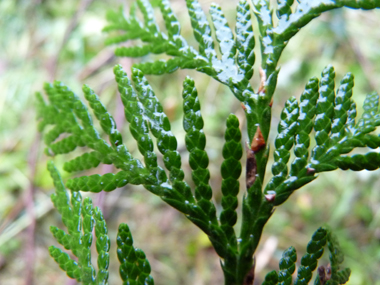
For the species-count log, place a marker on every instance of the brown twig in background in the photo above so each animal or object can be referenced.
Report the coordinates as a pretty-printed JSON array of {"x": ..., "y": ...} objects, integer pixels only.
[
  {"x": 99, "y": 61},
  {"x": 29, "y": 206}
]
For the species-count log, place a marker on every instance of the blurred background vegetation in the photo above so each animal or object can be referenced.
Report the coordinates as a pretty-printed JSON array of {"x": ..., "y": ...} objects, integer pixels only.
[{"x": 47, "y": 40}]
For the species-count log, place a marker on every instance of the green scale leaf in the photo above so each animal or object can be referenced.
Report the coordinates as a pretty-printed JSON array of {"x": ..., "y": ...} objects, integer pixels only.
[
  {"x": 305, "y": 126},
  {"x": 156, "y": 41},
  {"x": 273, "y": 39},
  {"x": 336, "y": 133},
  {"x": 287, "y": 129},
  {"x": 146, "y": 116},
  {"x": 201, "y": 29},
  {"x": 271, "y": 278},
  {"x": 287, "y": 266},
  {"x": 309, "y": 261},
  {"x": 153, "y": 115},
  {"x": 79, "y": 218},
  {"x": 346, "y": 135},
  {"x": 227, "y": 70},
  {"x": 308, "y": 10},
  {"x": 323, "y": 118},
  {"x": 223, "y": 33},
  {"x": 145, "y": 107},
  {"x": 96, "y": 183},
  {"x": 204, "y": 213},
  {"x": 336, "y": 259},
  {"x": 102, "y": 246},
  {"x": 231, "y": 170},
  {"x": 171, "y": 22},
  {"x": 245, "y": 40},
  {"x": 195, "y": 140},
  {"x": 195, "y": 143},
  {"x": 342, "y": 104},
  {"x": 358, "y": 162},
  {"x": 291, "y": 22},
  {"x": 72, "y": 117},
  {"x": 134, "y": 113},
  {"x": 85, "y": 161},
  {"x": 134, "y": 267}
]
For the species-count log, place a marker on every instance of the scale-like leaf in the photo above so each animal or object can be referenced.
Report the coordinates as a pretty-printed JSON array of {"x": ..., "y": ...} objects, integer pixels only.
[
  {"x": 309, "y": 261},
  {"x": 231, "y": 170},
  {"x": 86, "y": 161},
  {"x": 71, "y": 116},
  {"x": 263, "y": 14},
  {"x": 245, "y": 40},
  {"x": 336, "y": 259},
  {"x": 196, "y": 140},
  {"x": 358, "y": 162},
  {"x": 271, "y": 278},
  {"x": 223, "y": 33},
  {"x": 287, "y": 129},
  {"x": 333, "y": 118},
  {"x": 148, "y": 14},
  {"x": 134, "y": 267},
  {"x": 183, "y": 55},
  {"x": 305, "y": 125},
  {"x": 134, "y": 113},
  {"x": 201, "y": 29},
  {"x": 342, "y": 106},
  {"x": 96, "y": 183},
  {"x": 171, "y": 22},
  {"x": 102, "y": 246},
  {"x": 287, "y": 266},
  {"x": 336, "y": 133},
  {"x": 107, "y": 122},
  {"x": 324, "y": 114},
  {"x": 195, "y": 143},
  {"x": 79, "y": 217}
]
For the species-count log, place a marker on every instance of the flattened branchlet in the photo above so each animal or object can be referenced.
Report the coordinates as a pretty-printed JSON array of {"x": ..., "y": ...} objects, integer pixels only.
[{"x": 324, "y": 113}]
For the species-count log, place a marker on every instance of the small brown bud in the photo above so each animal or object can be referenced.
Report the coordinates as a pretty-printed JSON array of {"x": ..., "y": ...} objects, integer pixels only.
[
  {"x": 324, "y": 273},
  {"x": 270, "y": 196},
  {"x": 250, "y": 277},
  {"x": 251, "y": 168},
  {"x": 310, "y": 171},
  {"x": 258, "y": 141}
]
